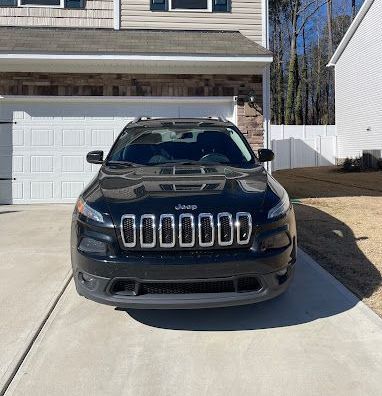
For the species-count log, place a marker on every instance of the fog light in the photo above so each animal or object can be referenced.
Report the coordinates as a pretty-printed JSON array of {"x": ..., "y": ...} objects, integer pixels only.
[
  {"x": 88, "y": 280},
  {"x": 90, "y": 245},
  {"x": 282, "y": 272},
  {"x": 282, "y": 276}
]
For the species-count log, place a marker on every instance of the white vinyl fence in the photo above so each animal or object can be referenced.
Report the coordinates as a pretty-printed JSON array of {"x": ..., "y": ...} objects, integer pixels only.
[{"x": 299, "y": 146}]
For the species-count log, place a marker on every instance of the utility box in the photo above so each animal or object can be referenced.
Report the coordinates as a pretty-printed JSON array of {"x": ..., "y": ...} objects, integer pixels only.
[{"x": 370, "y": 158}]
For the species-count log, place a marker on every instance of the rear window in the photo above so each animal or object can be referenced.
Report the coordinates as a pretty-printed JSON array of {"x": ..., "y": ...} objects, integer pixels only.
[{"x": 160, "y": 145}]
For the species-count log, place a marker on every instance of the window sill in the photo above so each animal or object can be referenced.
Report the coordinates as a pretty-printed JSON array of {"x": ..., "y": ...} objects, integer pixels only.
[
  {"x": 189, "y": 10},
  {"x": 40, "y": 6}
]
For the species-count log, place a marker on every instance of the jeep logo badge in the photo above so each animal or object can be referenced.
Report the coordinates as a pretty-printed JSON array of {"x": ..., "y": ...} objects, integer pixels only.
[{"x": 185, "y": 207}]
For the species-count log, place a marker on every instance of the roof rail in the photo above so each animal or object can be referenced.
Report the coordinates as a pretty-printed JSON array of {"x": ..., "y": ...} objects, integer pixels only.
[
  {"x": 143, "y": 118},
  {"x": 140, "y": 118},
  {"x": 219, "y": 118}
]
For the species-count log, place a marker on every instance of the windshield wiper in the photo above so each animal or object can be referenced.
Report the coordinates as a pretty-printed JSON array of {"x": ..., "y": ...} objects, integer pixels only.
[{"x": 126, "y": 164}]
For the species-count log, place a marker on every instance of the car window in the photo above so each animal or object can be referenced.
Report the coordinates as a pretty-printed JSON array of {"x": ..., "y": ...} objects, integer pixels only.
[{"x": 161, "y": 145}]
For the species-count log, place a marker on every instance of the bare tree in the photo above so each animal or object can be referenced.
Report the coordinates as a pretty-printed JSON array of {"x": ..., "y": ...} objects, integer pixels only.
[
  {"x": 300, "y": 13},
  {"x": 329, "y": 13},
  {"x": 353, "y": 9},
  {"x": 303, "y": 40}
]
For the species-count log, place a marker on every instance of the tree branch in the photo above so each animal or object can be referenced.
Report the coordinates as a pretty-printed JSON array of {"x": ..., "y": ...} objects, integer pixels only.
[
  {"x": 306, "y": 6},
  {"x": 307, "y": 17}
]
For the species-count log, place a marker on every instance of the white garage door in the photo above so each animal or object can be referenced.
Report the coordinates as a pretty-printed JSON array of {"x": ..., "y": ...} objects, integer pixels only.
[{"x": 43, "y": 155}]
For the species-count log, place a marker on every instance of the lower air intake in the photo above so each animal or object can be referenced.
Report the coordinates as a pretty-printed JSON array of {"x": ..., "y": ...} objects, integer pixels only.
[{"x": 131, "y": 287}]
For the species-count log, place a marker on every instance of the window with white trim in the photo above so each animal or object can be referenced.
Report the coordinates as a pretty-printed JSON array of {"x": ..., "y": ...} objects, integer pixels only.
[
  {"x": 41, "y": 3},
  {"x": 75, "y": 4},
  {"x": 191, "y": 5}
]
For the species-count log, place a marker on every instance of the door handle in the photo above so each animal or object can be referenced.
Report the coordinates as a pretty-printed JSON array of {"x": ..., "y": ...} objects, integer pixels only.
[
  {"x": 7, "y": 178},
  {"x": 7, "y": 122}
]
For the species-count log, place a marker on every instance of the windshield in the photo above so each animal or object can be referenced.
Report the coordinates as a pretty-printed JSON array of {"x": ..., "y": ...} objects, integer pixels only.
[{"x": 181, "y": 144}]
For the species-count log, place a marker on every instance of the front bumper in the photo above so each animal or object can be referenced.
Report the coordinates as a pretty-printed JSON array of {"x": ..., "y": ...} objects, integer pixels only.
[
  {"x": 223, "y": 267},
  {"x": 272, "y": 286}
]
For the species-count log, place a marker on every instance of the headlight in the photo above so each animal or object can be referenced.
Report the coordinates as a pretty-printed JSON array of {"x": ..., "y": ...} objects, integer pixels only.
[
  {"x": 281, "y": 208},
  {"x": 83, "y": 208}
]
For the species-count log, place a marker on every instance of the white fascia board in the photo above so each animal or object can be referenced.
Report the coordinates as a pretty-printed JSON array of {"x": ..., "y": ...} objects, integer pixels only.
[
  {"x": 117, "y": 15},
  {"x": 154, "y": 58},
  {"x": 350, "y": 32},
  {"x": 265, "y": 23},
  {"x": 132, "y": 64},
  {"x": 114, "y": 99}
]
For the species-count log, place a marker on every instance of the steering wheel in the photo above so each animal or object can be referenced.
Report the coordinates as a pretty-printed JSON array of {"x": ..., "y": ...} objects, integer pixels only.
[{"x": 214, "y": 157}]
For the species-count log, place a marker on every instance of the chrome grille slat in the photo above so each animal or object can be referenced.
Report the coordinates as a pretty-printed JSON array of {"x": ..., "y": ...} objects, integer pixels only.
[
  {"x": 129, "y": 232},
  {"x": 206, "y": 230},
  {"x": 243, "y": 227},
  {"x": 186, "y": 230},
  {"x": 225, "y": 229},
  {"x": 147, "y": 231},
  {"x": 166, "y": 230}
]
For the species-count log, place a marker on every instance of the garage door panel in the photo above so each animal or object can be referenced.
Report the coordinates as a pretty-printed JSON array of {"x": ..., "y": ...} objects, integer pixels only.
[
  {"x": 18, "y": 190},
  {"x": 73, "y": 163},
  {"x": 18, "y": 137},
  {"x": 45, "y": 152},
  {"x": 42, "y": 190},
  {"x": 72, "y": 137},
  {"x": 41, "y": 164},
  {"x": 71, "y": 189},
  {"x": 18, "y": 164},
  {"x": 102, "y": 137},
  {"x": 41, "y": 137}
]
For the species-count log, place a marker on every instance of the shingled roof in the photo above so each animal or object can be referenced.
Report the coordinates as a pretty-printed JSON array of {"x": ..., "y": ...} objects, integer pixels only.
[{"x": 125, "y": 42}]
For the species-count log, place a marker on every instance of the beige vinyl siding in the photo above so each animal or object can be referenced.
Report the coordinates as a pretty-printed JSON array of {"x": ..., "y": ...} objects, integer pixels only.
[
  {"x": 245, "y": 17},
  {"x": 359, "y": 88},
  {"x": 97, "y": 14}
]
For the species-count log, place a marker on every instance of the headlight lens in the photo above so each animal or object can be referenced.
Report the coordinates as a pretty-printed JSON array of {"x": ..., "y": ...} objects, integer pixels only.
[
  {"x": 281, "y": 208},
  {"x": 83, "y": 208}
]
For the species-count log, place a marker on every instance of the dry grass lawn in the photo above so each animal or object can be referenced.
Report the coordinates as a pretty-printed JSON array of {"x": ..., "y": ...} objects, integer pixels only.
[{"x": 339, "y": 220}]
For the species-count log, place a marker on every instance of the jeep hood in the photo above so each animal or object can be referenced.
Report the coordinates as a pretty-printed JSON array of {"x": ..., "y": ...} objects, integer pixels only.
[{"x": 159, "y": 189}]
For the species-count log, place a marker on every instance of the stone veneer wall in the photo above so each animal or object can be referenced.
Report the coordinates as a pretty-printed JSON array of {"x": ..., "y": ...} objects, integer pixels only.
[{"x": 250, "y": 119}]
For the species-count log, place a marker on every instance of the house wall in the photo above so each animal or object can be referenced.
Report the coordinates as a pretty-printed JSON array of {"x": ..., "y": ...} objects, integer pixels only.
[
  {"x": 97, "y": 14},
  {"x": 245, "y": 17},
  {"x": 250, "y": 118},
  {"x": 358, "y": 75}
]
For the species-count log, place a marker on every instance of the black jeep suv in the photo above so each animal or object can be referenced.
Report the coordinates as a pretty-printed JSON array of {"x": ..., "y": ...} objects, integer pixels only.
[{"x": 182, "y": 215}]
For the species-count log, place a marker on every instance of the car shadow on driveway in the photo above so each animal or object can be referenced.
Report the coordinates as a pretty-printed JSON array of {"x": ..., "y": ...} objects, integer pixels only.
[{"x": 313, "y": 294}]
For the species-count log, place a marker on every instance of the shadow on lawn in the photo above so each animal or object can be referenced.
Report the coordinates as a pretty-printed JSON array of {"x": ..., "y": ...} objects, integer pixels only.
[
  {"x": 329, "y": 182},
  {"x": 311, "y": 296}
]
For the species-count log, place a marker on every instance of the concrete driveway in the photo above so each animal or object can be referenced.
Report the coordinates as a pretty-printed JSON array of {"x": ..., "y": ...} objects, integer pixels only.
[{"x": 316, "y": 339}]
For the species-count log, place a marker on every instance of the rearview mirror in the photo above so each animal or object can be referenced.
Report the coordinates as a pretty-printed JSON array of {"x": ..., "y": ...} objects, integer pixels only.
[
  {"x": 95, "y": 157},
  {"x": 266, "y": 155}
]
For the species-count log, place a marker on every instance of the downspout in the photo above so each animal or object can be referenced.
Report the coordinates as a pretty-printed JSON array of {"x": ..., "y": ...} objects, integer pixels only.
[
  {"x": 266, "y": 81},
  {"x": 117, "y": 15}
]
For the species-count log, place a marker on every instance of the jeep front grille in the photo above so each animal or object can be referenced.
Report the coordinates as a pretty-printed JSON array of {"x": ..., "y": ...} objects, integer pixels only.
[{"x": 186, "y": 230}]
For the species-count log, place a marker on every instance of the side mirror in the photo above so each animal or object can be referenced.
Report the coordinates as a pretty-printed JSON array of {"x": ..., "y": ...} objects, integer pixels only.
[
  {"x": 95, "y": 157},
  {"x": 266, "y": 155}
]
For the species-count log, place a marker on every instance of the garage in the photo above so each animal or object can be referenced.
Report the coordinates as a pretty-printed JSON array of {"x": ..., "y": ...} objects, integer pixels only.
[{"x": 44, "y": 140}]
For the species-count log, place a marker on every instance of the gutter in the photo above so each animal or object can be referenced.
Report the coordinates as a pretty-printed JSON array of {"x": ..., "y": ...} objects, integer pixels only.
[
  {"x": 350, "y": 32},
  {"x": 155, "y": 58}
]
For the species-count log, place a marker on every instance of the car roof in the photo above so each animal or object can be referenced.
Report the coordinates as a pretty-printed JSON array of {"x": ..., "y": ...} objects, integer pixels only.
[{"x": 157, "y": 122}]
